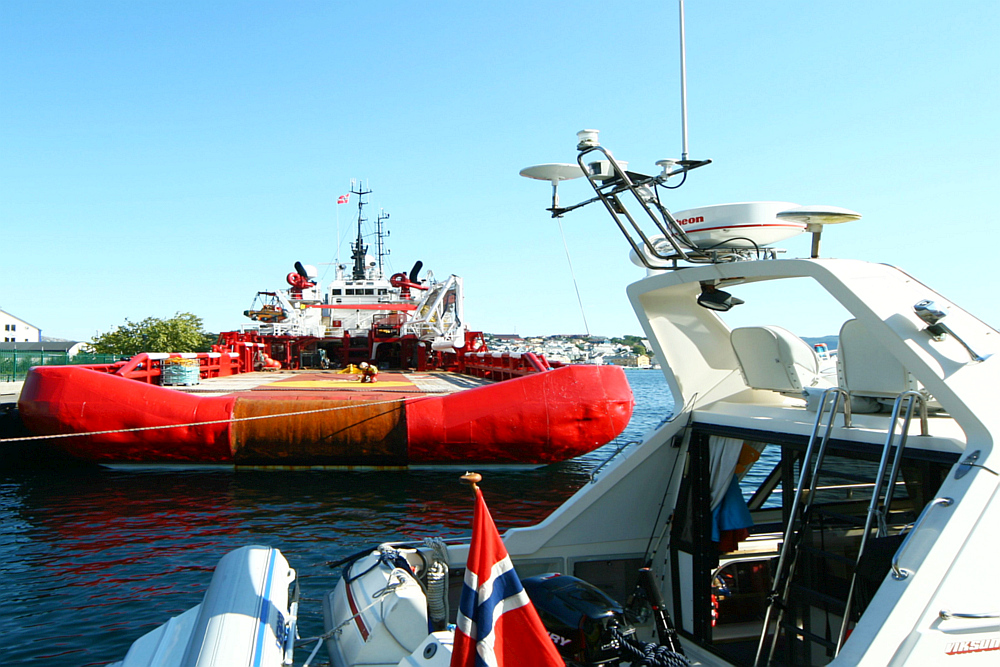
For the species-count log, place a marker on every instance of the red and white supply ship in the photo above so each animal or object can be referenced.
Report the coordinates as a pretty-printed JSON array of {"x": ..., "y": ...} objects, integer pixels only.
[{"x": 288, "y": 391}]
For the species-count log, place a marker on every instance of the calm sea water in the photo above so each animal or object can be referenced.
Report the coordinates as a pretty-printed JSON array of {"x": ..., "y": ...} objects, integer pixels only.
[{"x": 92, "y": 559}]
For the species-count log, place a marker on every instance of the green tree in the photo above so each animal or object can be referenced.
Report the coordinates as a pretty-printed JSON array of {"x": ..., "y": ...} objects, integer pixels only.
[
  {"x": 181, "y": 333},
  {"x": 634, "y": 343}
]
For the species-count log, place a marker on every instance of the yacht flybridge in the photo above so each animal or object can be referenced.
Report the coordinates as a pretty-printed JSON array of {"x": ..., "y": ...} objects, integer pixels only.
[{"x": 792, "y": 514}]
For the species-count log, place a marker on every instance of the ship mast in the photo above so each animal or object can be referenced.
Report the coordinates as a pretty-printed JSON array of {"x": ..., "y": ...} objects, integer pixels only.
[
  {"x": 381, "y": 250},
  {"x": 358, "y": 248}
]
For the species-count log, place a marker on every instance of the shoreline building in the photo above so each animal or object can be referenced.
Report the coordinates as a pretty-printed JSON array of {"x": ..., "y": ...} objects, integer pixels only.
[{"x": 16, "y": 330}]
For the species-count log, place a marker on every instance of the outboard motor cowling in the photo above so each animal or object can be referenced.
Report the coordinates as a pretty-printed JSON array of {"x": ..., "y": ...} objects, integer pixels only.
[{"x": 579, "y": 618}]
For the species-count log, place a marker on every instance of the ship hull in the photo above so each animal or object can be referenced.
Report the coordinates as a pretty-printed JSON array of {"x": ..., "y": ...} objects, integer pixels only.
[{"x": 328, "y": 420}]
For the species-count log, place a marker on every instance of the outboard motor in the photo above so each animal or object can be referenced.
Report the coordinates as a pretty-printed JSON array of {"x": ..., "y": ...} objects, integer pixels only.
[{"x": 580, "y": 619}]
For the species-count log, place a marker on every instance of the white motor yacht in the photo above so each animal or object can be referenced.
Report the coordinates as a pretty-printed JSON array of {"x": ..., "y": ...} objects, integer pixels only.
[
  {"x": 790, "y": 511},
  {"x": 797, "y": 507}
]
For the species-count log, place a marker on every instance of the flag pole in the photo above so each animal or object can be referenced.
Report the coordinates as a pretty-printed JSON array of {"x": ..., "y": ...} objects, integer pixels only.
[
  {"x": 492, "y": 590},
  {"x": 472, "y": 479}
]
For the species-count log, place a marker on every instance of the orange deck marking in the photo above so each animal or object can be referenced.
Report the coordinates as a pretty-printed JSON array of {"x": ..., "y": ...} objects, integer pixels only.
[{"x": 339, "y": 384}]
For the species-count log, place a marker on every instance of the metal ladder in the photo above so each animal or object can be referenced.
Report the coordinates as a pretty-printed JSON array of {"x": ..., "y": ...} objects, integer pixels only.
[
  {"x": 803, "y": 516},
  {"x": 877, "y": 513},
  {"x": 799, "y": 517}
]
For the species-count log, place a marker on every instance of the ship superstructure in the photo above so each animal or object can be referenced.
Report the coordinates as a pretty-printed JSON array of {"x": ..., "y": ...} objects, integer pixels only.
[{"x": 399, "y": 321}]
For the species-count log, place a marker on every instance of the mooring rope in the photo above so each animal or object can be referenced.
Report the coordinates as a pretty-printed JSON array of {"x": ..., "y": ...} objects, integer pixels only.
[
  {"x": 204, "y": 423},
  {"x": 647, "y": 655}
]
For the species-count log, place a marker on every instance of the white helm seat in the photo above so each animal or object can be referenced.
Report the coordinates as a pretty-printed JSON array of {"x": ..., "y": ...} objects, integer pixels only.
[
  {"x": 775, "y": 359},
  {"x": 868, "y": 371}
]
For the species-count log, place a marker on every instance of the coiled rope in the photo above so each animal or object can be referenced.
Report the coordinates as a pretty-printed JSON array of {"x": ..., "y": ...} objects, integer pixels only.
[
  {"x": 204, "y": 423},
  {"x": 437, "y": 580},
  {"x": 640, "y": 653}
]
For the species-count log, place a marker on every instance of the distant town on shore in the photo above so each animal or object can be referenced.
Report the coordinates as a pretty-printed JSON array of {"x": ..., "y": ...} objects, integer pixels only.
[{"x": 629, "y": 351}]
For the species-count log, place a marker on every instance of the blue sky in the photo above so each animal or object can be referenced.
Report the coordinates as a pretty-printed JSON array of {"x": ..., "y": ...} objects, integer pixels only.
[{"x": 162, "y": 157}]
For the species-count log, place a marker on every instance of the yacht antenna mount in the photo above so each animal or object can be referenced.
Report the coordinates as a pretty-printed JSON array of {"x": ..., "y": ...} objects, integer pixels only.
[{"x": 610, "y": 180}]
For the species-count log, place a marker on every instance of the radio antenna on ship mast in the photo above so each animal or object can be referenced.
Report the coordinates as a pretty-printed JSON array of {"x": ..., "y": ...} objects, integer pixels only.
[{"x": 380, "y": 248}]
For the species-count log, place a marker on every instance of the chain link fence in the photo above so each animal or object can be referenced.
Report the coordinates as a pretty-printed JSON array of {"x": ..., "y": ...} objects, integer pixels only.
[{"x": 14, "y": 364}]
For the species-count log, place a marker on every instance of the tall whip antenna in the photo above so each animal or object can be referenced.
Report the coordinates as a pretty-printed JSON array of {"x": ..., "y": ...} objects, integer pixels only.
[
  {"x": 684, "y": 94},
  {"x": 572, "y": 274}
]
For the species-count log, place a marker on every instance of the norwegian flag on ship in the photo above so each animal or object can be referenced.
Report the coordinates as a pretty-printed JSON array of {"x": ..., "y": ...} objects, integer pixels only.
[
  {"x": 497, "y": 624},
  {"x": 343, "y": 199}
]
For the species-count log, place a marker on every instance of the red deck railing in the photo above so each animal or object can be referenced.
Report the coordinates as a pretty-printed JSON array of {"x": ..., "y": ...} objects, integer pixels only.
[
  {"x": 147, "y": 366},
  {"x": 248, "y": 352},
  {"x": 505, "y": 365}
]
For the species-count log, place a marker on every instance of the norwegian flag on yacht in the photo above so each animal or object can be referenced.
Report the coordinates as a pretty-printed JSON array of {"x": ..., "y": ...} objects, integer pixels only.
[
  {"x": 497, "y": 624},
  {"x": 343, "y": 199}
]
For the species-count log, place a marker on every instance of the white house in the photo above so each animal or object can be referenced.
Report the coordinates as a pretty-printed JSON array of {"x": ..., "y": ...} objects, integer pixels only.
[{"x": 16, "y": 330}]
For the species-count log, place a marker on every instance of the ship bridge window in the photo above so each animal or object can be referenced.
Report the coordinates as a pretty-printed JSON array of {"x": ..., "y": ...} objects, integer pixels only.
[
  {"x": 382, "y": 291},
  {"x": 370, "y": 292},
  {"x": 349, "y": 292},
  {"x": 729, "y": 524},
  {"x": 335, "y": 292}
]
